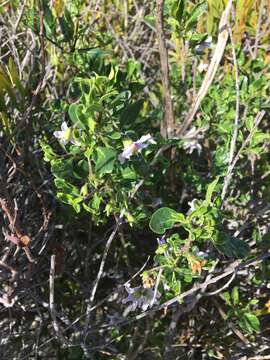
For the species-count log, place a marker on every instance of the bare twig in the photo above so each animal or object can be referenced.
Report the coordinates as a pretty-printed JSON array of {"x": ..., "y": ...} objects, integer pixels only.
[
  {"x": 56, "y": 326},
  {"x": 156, "y": 287},
  {"x": 229, "y": 175},
  {"x": 167, "y": 125},
  {"x": 100, "y": 272},
  {"x": 227, "y": 284},
  {"x": 20, "y": 16},
  {"x": 237, "y": 108}
]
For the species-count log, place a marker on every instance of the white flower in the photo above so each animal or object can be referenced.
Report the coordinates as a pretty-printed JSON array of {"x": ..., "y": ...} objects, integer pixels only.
[
  {"x": 192, "y": 205},
  {"x": 7, "y": 301},
  {"x": 191, "y": 140},
  {"x": 139, "y": 298},
  {"x": 65, "y": 135},
  {"x": 202, "y": 254},
  {"x": 135, "y": 147},
  {"x": 203, "y": 66},
  {"x": 192, "y": 145}
]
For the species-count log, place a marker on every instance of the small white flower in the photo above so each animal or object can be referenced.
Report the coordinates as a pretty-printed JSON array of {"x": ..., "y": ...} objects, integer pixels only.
[
  {"x": 190, "y": 146},
  {"x": 8, "y": 301},
  {"x": 191, "y": 140},
  {"x": 136, "y": 147},
  {"x": 139, "y": 297},
  {"x": 65, "y": 135},
  {"x": 202, "y": 254},
  {"x": 203, "y": 66},
  {"x": 192, "y": 206}
]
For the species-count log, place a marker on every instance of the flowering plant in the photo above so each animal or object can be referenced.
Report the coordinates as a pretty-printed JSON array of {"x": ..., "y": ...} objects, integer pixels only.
[{"x": 92, "y": 171}]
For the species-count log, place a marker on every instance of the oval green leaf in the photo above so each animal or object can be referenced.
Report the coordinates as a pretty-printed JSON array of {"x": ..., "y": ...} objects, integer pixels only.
[{"x": 164, "y": 219}]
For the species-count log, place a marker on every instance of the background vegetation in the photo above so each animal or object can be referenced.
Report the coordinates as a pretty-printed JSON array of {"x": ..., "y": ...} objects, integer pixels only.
[{"x": 134, "y": 173}]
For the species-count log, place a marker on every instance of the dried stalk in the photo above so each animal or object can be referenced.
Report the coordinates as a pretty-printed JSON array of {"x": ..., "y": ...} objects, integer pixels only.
[{"x": 167, "y": 125}]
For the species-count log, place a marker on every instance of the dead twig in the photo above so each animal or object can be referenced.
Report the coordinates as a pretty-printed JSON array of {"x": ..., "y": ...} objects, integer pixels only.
[
  {"x": 231, "y": 167},
  {"x": 56, "y": 326},
  {"x": 167, "y": 125},
  {"x": 237, "y": 108}
]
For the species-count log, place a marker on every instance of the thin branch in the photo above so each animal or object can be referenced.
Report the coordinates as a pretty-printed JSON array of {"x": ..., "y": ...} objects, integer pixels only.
[
  {"x": 237, "y": 110},
  {"x": 20, "y": 16},
  {"x": 222, "y": 287},
  {"x": 100, "y": 272},
  {"x": 229, "y": 175},
  {"x": 56, "y": 326},
  {"x": 156, "y": 287},
  {"x": 167, "y": 125}
]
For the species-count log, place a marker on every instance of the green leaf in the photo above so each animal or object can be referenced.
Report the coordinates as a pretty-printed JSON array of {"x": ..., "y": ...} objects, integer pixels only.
[
  {"x": 14, "y": 76},
  {"x": 104, "y": 162},
  {"x": 49, "y": 154},
  {"x": 232, "y": 246},
  {"x": 196, "y": 12},
  {"x": 67, "y": 26},
  {"x": 235, "y": 295},
  {"x": 165, "y": 218},
  {"x": 180, "y": 11},
  {"x": 227, "y": 297},
  {"x": 5, "y": 85},
  {"x": 96, "y": 201},
  {"x": 252, "y": 322},
  {"x": 75, "y": 114},
  {"x": 128, "y": 173},
  {"x": 209, "y": 192}
]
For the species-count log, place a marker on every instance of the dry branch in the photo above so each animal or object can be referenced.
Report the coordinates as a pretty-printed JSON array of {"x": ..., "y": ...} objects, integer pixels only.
[{"x": 167, "y": 125}]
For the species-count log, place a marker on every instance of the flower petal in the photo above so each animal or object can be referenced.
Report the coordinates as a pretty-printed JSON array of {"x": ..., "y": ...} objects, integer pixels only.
[
  {"x": 64, "y": 126},
  {"x": 57, "y": 134}
]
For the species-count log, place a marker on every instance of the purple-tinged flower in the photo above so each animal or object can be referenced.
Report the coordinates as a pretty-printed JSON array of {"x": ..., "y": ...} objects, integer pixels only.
[
  {"x": 161, "y": 240},
  {"x": 139, "y": 297},
  {"x": 135, "y": 147}
]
